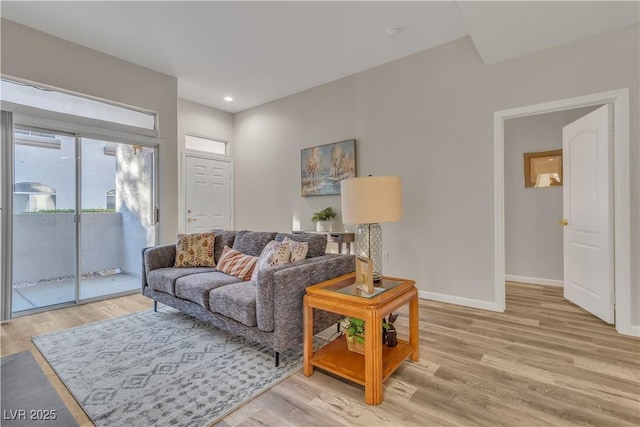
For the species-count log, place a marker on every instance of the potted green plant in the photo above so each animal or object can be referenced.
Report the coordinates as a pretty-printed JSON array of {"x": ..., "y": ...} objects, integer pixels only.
[
  {"x": 324, "y": 219},
  {"x": 354, "y": 332}
]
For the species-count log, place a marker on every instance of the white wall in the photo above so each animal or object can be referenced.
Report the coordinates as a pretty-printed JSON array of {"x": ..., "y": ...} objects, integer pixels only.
[
  {"x": 200, "y": 120},
  {"x": 42, "y": 58},
  {"x": 533, "y": 234},
  {"x": 268, "y": 140},
  {"x": 428, "y": 118}
]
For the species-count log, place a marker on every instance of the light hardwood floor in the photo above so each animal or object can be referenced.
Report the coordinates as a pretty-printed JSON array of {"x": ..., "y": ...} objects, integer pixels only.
[{"x": 544, "y": 361}]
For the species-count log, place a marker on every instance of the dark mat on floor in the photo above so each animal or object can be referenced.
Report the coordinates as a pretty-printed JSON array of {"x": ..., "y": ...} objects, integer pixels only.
[{"x": 28, "y": 398}]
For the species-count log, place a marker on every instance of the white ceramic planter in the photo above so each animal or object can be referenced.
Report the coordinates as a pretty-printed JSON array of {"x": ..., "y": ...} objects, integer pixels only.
[{"x": 324, "y": 226}]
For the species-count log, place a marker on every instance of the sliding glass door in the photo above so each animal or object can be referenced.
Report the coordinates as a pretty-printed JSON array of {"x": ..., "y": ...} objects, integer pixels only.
[
  {"x": 83, "y": 209},
  {"x": 44, "y": 219},
  {"x": 117, "y": 215}
]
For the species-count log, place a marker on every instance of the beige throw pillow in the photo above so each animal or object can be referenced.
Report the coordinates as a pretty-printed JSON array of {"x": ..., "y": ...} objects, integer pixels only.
[
  {"x": 195, "y": 250},
  {"x": 273, "y": 254},
  {"x": 298, "y": 249}
]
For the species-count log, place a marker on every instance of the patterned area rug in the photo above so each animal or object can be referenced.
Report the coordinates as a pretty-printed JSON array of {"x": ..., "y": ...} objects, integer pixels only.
[{"x": 163, "y": 368}]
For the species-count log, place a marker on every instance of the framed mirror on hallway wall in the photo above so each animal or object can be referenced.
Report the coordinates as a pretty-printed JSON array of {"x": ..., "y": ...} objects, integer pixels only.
[{"x": 543, "y": 169}]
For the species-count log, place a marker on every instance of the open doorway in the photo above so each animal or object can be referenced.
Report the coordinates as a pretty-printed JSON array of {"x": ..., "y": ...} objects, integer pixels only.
[
  {"x": 533, "y": 233},
  {"x": 619, "y": 99}
]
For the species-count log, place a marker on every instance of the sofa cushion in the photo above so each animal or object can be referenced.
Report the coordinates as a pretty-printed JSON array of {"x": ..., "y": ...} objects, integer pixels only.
[
  {"x": 317, "y": 242},
  {"x": 237, "y": 264},
  {"x": 252, "y": 242},
  {"x": 196, "y": 287},
  {"x": 164, "y": 279},
  {"x": 223, "y": 238},
  {"x": 236, "y": 301},
  {"x": 195, "y": 250},
  {"x": 274, "y": 253}
]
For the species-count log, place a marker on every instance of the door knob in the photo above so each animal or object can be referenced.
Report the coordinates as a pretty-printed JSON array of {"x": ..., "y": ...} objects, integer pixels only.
[
  {"x": 191, "y": 219},
  {"x": 564, "y": 222}
]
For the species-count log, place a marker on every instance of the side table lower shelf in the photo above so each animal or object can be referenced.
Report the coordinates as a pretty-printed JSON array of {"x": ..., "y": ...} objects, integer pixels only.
[{"x": 336, "y": 358}]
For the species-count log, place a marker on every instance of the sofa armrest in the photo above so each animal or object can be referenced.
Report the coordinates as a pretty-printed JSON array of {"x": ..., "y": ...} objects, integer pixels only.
[
  {"x": 280, "y": 291},
  {"x": 156, "y": 257}
]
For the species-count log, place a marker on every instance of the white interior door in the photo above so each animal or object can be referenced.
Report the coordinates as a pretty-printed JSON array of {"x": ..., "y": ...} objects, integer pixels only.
[
  {"x": 588, "y": 213},
  {"x": 208, "y": 194}
]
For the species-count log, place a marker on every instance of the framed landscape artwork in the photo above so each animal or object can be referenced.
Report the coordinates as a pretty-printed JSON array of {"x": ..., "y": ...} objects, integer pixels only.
[{"x": 323, "y": 167}]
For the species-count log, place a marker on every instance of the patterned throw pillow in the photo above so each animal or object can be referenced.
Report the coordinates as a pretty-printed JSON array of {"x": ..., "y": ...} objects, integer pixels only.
[
  {"x": 235, "y": 263},
  {"x": 298, "y": 249},
  {"x": 195, "y": 250},
  {"x": 273, "y": 254}
]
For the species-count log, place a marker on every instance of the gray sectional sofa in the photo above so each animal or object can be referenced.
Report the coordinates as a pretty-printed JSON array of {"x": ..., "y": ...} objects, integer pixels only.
[{"x": 269, "y": 312}]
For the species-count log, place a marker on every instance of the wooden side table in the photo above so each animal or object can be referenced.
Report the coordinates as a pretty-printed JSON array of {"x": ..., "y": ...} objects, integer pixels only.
[
  {"x": 340, "y": 296},
  {"x": 340, "y": 237}
]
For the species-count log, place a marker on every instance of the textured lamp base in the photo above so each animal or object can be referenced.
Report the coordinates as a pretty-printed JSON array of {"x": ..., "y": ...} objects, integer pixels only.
[{"x": 369, "y": 240}]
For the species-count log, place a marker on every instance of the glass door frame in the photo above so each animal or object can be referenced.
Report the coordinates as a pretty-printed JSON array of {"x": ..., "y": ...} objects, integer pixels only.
[
  {"x": 13, "y": 115},
  {"x": 6, "y": 213}
]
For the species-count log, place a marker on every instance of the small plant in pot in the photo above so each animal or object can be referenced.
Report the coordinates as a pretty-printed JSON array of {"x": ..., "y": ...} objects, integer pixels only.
[
  {"x": 324, "y": 219},
  {"x": 354, "y": 332}
]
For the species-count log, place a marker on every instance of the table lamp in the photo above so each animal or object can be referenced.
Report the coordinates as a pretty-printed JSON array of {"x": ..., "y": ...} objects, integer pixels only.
[{"x": 368, "y": 201}]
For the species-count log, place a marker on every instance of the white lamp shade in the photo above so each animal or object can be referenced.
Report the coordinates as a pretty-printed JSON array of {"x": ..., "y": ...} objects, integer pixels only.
[{"x": 371, "y": 199}]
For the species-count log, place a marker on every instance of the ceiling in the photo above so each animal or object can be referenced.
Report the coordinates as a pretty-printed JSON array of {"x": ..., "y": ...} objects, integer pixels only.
[{"x": 257, "y": 52}]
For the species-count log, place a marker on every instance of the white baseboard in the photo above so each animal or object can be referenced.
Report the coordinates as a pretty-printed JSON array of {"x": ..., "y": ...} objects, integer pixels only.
[
  {"x": 534, "y": 280},
  {"x": 452, "y": 299},
  {"x": 631, "y": 330}
]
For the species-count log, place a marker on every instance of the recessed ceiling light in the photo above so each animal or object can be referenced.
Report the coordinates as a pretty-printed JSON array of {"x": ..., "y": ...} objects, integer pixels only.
[
  {"x": 228, "y": 98},
  {"x": 393, "y": 31}
]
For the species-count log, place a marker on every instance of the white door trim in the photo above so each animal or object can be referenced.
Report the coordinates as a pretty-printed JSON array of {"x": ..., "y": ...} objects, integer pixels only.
[
  {"x": 622, "y": 193},
  {"x": 182, "y": 220}
]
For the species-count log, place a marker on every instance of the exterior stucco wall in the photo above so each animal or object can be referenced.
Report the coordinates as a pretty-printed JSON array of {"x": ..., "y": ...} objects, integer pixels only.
[{"x": 44, "y": 245}]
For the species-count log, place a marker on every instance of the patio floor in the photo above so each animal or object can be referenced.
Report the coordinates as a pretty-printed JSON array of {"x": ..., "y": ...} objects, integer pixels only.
[{"x": 46, "y": 294}]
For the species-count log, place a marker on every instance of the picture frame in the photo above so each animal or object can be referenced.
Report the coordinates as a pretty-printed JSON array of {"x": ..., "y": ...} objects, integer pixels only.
[
  {"x": 364, "y": 274},
  {"x": 543, "y": 169},
  {"x": 324, "y": 166}
]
